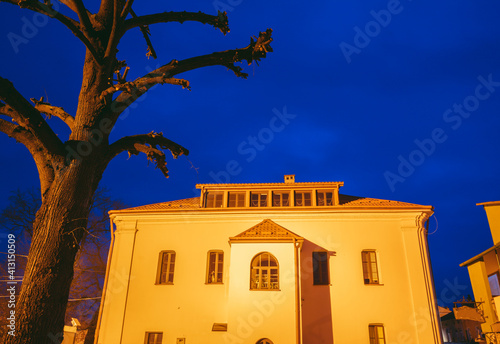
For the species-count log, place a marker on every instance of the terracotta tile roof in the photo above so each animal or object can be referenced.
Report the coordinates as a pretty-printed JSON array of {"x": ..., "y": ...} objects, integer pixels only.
[
  {"x": 267, "y": 229},
  {"x": 271, "y": 184},
  {"x": 187, "y": 203},
  {"x": 353, "y": 201},
  {"x": 345, "y": 201}
]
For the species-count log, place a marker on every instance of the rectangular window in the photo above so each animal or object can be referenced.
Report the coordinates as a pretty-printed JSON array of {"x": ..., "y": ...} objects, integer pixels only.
[
  {"x": 370, "y": 269},
  {"x": 320, "y": 268},
  {"x": 303, "y": 198},
  {"x": 154, "y": 337},
  {"x": 236, "y": 199},
  {"x": 494, "y": 285},
  {"x": 166, "y": 270},
  {"x": 215, "y": 267},
  {"x": 324, "y": 198},
  {"x": 377, "y": 335},
  {"x": 213, "y": 199},
  {"x": 281, "y": 198},
  {"x": 258, "y": 199}
]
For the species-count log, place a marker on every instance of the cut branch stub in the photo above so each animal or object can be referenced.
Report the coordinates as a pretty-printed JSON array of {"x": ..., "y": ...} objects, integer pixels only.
[
  {"x": 145, "y": 33},
  {"x": 261, "y": 46},
  {"x": 221, "y": 22},
  {"x": 50, "y": 110}
]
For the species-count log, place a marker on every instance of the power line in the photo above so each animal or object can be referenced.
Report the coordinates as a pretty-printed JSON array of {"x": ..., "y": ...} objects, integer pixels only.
[
  {"x": 15, "y": 254},
  {"x": 85, "y": 298}
]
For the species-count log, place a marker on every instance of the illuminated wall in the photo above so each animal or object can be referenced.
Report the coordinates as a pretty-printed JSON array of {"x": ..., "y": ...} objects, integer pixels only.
[{"x": 299, "y": 310}]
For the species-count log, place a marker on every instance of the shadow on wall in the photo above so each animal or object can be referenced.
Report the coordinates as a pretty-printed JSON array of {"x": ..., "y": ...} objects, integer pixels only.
[{"x": 316, "y": 302}]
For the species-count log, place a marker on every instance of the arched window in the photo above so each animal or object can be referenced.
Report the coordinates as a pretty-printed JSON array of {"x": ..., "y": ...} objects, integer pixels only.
[
  {"x": 265, "y": 272},
  {"x": 264, "y": 341}
]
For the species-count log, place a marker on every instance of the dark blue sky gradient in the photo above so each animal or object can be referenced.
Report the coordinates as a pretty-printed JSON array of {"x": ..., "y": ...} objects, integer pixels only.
[{"x": 352, "y": 122}]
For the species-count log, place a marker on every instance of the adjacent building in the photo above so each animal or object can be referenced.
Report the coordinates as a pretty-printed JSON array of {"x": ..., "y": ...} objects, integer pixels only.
[
  {"x": 270, "y": 263},
  {"x": 484, "y": 276}
]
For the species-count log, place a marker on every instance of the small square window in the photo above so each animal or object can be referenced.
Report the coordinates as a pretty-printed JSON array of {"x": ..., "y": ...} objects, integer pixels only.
[
  {"x": 324, "y": 198},
  {"x": 213, "y": 199},
  {"x": 154, "y": 337},
  {"x": 258, "y": 199},
  {"x": 377, "y": 335},
  {"x": 281, "y": 198},
  {"x": 236, "y": 199},
  {"x": 303, "y": 198}
]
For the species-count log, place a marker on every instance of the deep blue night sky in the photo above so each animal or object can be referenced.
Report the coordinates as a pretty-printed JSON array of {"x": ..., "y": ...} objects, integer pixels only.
[{"x": 403, "y": 108}]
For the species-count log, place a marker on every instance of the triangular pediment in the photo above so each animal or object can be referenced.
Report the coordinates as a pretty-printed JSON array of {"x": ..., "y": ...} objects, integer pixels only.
[{"x": 267, "y": 230}]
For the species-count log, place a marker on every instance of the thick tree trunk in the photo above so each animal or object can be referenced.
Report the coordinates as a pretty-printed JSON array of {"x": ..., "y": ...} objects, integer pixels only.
[
  {"x": 58, "y": 229},
  {"x": 61, "y": 221}
]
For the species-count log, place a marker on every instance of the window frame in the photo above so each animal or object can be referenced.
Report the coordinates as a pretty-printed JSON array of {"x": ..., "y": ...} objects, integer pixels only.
[
  {"x": 322, "y": 269},
  {"x": 272, "y": 286},
  {"x": 302, "y": 194},
  {"x": 160, "y": 271},
  {"x": 218, "y": 262},
  {"x": 281, "y": 199},
  {"x": 260, "y": 202},
  {"x": 325, "y": 199},
  {"x": 214, "y": 203},
  {"x": 155, "y": 341},
  {"x": 375, "y": 339},
  {"x": 240, "y": 197},
  {"x": 368, "y": 267},
  {"x": 497, "y": 276}
]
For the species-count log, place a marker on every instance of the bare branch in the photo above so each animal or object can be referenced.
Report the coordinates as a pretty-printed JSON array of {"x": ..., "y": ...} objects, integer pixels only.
[
  {"x": 30, "y": 118},
  {"x": 21, "y": 135},
  {"x": 82, "y": 15},
  {"x": 13, "y": 130},
  {"x": 126, "y": 9},
  {"x": 114, "y": 37},
  {"x": 257, "y": 49},
  {"x": 140, "y": 86},
  {"x": 146, "y": 34},
  {"x": 50, "y": 110},
  {"x": 219, "y": 21},
  {"x": 151, "y": 144},
  {"x": 48, "y": 10}
]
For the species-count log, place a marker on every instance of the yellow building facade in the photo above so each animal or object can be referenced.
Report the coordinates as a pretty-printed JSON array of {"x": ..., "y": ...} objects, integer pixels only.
[
  {"x": 484, "y": 274},
  {"x": 270, "y": 263}
]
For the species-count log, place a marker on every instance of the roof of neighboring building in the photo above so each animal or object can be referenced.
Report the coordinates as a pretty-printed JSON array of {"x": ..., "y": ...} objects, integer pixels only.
[
  {"x": 443, "y": 311},
  {"x": 479, "y": 256},
  {"x": 345, "y": 201},
  {"x": 489, "y": 203}
]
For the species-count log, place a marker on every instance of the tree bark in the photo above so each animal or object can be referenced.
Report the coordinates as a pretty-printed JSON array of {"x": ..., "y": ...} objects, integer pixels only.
[
  {"x": 59, "y": 226},
  {"x": 61, "y": 221}
]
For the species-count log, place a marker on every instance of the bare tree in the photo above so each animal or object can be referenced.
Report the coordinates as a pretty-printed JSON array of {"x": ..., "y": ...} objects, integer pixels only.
[
  {"x": 90, "y": 264},
  {"x": 70, "y": 171}
]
